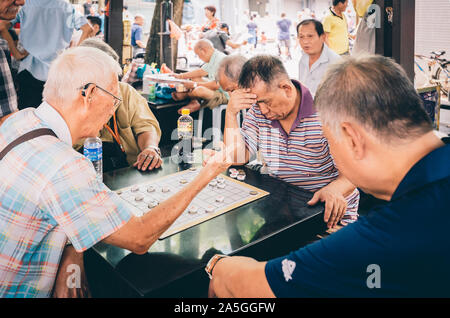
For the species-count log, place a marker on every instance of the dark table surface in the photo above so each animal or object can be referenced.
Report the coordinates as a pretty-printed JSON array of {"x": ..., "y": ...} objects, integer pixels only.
[{"x": 232, "y": 233}]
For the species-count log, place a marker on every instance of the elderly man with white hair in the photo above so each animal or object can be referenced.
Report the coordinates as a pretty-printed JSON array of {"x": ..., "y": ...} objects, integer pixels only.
[{"x": 49, "y": 193}]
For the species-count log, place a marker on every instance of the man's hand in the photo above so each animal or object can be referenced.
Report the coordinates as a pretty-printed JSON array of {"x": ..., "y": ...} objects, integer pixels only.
[
  {"x": 240, "y": 99},
  {"x": 216, "y": 162},
  {"x": 335, "y": 204},
  {"x": 62, "y": 289},
  {"x": 148, "y": 159}
]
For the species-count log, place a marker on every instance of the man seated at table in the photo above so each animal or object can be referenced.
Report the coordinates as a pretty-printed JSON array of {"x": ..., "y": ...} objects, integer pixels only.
[
  {"x": 132, "y": 135},
  {"x": 209, "y": 91},
  {"x": 50, "y": 194},
  {"x": 400, "y": 249},
  {"x": 284, "y": 127}
]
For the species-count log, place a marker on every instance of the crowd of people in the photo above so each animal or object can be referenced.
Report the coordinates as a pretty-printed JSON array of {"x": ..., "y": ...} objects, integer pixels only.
[{"x": 337, "y": 128}]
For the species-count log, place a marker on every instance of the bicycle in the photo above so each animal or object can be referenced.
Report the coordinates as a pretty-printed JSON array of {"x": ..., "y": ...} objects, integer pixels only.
[{"x": 438, "y": 72}]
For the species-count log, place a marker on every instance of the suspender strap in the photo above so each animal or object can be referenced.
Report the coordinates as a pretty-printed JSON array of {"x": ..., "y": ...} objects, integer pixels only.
[{"x": 28, "y": 136}]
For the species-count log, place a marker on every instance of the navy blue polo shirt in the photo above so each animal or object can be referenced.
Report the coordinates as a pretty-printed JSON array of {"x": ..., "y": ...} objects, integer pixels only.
[{"x": 402, "y": 247}]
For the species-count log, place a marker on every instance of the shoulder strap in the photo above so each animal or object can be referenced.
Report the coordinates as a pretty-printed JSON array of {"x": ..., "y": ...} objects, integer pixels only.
[{"x": 28, "y": 136}]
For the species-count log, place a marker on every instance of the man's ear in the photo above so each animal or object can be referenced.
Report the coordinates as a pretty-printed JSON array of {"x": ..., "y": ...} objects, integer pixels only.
[
  {"x": 87, "y": 93},
  {"x": 354, "y": 139}
]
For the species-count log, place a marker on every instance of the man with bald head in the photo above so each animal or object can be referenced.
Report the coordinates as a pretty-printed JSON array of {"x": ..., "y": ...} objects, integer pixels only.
[{"x": 208, "y": 90}]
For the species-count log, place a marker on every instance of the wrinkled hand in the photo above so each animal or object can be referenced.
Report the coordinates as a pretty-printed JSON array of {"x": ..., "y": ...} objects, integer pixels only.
[
  {"x": 148, "y": 159},
  {"x": 215, "y": 162},
  {"x": 67, "y": 276},
  {"x": 335, "y": 204},
  {"x": 240, "y": 99}
]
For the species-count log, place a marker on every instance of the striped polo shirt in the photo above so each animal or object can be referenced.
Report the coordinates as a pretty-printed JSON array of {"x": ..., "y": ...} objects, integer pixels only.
[{"x": 302, "y": 156}]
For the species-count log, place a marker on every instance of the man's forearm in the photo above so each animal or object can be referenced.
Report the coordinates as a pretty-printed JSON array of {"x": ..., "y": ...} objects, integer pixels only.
[
  {"x": 232, "y": 135},
  {"x": 193, "y": 74},
  {"x": 86, "y": 32},
  {"x": 343, "y": 185},
  {"x": 140, "y": 44},
  {"x": 240, "y": 277},
  {"x": 141, "y": 232},
  {"x": 212, "y": 85},
  {"x": 147, "y": 139}
]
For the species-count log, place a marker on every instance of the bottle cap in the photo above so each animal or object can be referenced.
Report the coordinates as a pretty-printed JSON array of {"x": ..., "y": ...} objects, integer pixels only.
[{"x": 185, "y": 111}]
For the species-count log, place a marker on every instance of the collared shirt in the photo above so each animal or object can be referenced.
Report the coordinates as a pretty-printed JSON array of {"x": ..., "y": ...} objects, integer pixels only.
[
  {"x": 133, "y": 118},
  {"x": 400, "y": 249},
  {"x": 337, "y": 28},
  {"x": 300, "y": 157},
  {"x": 49, "y": 194},
  {"x": 212, "y": 66},
  {"x": 8, "y": 96},
  {"x": 46, "y": 21},
  {"x": 311, "y": 77}
]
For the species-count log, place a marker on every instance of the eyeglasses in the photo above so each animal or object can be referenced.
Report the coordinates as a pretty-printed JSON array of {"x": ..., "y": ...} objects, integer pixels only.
[{"x": 117, "y": 100}]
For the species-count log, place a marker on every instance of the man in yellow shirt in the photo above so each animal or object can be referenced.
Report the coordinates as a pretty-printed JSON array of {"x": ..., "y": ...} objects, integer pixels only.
[
  {"x": 131, "y": 137},
  {"x": 336, "y": 28}
]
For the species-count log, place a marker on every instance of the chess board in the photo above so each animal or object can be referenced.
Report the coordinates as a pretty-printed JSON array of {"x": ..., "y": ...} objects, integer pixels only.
[{"x": 223, "y": 194}]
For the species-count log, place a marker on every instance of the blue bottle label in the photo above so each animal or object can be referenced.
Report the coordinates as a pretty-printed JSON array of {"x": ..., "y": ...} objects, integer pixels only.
[{"x": 93, "y": 154}]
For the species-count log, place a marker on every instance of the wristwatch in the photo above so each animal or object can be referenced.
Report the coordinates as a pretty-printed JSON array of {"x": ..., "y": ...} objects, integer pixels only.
[
  {"x": 212, "y": 263},
  {"x": 156, "y": 148}
]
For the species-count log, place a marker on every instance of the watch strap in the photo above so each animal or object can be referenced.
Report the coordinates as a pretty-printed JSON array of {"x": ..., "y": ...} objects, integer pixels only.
[{"x": 212, "y": 263}]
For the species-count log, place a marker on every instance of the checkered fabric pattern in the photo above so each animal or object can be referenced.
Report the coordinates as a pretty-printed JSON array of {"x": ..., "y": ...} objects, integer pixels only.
[
  {"x": 8, "y": 96},
  {"x": 49, "y": 194}
]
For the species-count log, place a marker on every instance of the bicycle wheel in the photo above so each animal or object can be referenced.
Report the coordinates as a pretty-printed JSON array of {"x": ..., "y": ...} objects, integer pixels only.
[{"x": 443, "y": 78}]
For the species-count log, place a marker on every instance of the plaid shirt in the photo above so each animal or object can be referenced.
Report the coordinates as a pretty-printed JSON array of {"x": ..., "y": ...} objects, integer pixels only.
[
  {"x": 8, "y": 97},
  {"x": 49, "y": 194}
]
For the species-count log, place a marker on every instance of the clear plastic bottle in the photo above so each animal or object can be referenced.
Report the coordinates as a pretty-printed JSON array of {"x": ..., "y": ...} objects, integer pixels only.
[
  {"x": 185, "y": 133},
  {"x": 93, "y": 151}
]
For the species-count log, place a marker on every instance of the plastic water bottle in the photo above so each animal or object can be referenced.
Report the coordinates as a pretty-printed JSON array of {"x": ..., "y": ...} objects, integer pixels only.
[
  {"x": 93, "y": 151},
  {"x": 151, "y": 91},
  {"x": 185, "y": 134}
]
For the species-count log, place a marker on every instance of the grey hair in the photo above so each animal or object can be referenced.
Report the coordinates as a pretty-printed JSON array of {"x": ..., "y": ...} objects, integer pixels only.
[
  {"x": 266, "y": 68},
  {"x": 376, "y": 92},
  {"x": 101, "y": 45},
  {"x": 231, "y": 66},
  {"x": 75, "y": 68}
]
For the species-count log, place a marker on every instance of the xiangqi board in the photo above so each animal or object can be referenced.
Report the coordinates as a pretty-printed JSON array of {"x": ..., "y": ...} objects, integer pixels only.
[{"x": 221, "y": 195}]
